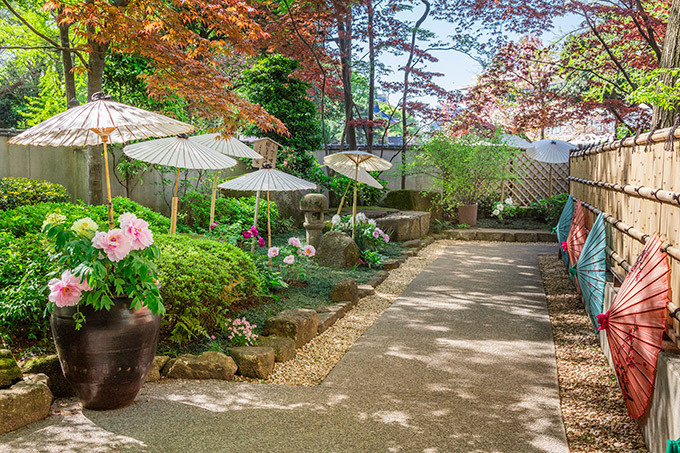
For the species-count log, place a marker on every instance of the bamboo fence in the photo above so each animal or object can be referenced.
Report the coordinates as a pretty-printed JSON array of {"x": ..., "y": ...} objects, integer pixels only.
[{"x": 635, "y": 182}]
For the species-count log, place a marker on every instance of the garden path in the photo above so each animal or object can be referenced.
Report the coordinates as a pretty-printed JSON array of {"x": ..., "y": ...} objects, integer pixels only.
[{"x": 462, "y": 361}]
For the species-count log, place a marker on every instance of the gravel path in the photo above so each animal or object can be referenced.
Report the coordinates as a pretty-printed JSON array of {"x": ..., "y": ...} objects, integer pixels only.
[
  {"x": 593, "y": 409},
  {"x": 318, "y": 357}
]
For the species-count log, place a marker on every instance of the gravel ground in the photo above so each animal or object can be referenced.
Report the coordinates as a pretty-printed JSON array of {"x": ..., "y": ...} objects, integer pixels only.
[
  {"x": 593, "y": 409},
  {"x": 318, "y": 357}
]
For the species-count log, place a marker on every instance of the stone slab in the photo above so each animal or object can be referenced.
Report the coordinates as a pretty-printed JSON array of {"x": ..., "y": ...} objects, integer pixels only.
[
  {"x": 255, "y": 362},
  {"x": 299, "y": 324},
  {"x": 284, "y": 348},
  {"x": 365, "y": 290},
  {"x": 27, "y": 401}
]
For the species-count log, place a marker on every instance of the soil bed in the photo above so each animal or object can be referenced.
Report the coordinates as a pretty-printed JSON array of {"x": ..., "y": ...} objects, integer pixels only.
[{"x": 594, "y": 413}]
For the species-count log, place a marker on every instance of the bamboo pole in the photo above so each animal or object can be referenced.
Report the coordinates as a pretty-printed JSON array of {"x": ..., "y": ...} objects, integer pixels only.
[
  {"x": 213, "y": 199},
  {"x": 269, "y": 227},
  {"x": 105, "y": 139},
  {"x": 173, "y": 215},
  {"x": 550, "y": 183},
  {"x": 257, "y": 208},
  {"x": 342, "y": 201},
  {"x": 354, "y": 208},
  {"x": 636, "y": 191}
]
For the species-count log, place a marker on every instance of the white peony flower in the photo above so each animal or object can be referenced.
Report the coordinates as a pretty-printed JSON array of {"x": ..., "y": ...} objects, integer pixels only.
[
  {"x": 85, "y": 227},
  {"x": 499, "y": 206},
  {"x": 335, "y": 220},
  {"x": 508, "y": 201},
  {"x": 371, "y": 222},
  {"x": 361, "y": 217},
  {"x": 496, "y": 212}
]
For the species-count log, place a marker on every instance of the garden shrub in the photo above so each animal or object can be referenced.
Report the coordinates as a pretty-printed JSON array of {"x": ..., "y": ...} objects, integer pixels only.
[
  {"x": 200, "y": 279},
  {"x": 228, "y": 211},
  {"x": 28, "y": 219},
  {"x": 24, "y": 269},
  {"x": 549, "y": 209},
  {"x": 15, "y": 192}
]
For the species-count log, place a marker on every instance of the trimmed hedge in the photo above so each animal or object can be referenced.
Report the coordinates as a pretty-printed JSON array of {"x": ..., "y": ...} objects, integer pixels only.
[
  {"x": 228, "y": 211},
  {"x": 24, "y": 269},
  {"x": 200, "y": 279},
  {"x": 15, "y": 192},
  {"x": 29, "y": 219}
]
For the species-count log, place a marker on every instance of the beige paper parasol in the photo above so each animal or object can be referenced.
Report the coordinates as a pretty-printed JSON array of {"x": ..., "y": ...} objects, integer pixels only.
[
  {"x": 362, "y": 176},
  {"x": 179, "y": 152},
  {"x": 355, "y": 161},
  {"x": 270, "y": 180},
  {"x": 230, "y": 147},
  {"x": 101, "y": 121}
]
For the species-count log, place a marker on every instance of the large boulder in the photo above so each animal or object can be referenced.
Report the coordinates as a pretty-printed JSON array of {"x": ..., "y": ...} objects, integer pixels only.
[
  {"x": 299, "y": 324},
  {"x": 156, "y": 367},
  {"x": 403, "y": 226},
  {"x": 254, "y": 361},
  {"x": 414, "y": 200},
  {"x": 284, "y": 347},
  {"x": 209, "y": 365},
  {"x": 10, "y": 372},
  {"x": 25, "y": 402},
  {"x": 337, "y": 249},
  {"x": 50, "y": 366},
  {"x": 345, "y": 290}
]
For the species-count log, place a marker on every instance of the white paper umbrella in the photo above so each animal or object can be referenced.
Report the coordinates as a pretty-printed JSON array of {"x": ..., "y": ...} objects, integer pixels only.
[
  {"x": 269, "y": 180},
  {"x": 179, "y": 152},
  {"x": 355, "y": 161},
  {"x": 514, "y": 141},
  {"x": 550, "y": 151},
  {"x": 362, "y": 176},
  {"x": 101, "y": 121},
  {"x": 229, "y": 146}
]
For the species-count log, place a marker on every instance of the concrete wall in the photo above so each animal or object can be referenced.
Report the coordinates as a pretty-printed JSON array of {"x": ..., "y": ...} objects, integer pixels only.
[
  {"x": 662, "y": 422},
  {"x": 68, "y": 167}
]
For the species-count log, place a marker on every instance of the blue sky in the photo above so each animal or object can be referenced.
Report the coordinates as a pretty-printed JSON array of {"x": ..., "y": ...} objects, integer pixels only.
[{"x": 459, "y": 69}]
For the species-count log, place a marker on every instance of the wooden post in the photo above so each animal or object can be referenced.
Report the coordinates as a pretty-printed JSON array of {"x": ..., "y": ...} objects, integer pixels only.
[
  {"x": 342, "y": 201},
  {"x": 354, "y": 209},
  {"x": 550, "y": 183},
  {"x": 105, "y": 139},
  {"x": 257, "y": 208},
  {"x": 269, "y": 227},
  {"x": 173, "y": 215}
]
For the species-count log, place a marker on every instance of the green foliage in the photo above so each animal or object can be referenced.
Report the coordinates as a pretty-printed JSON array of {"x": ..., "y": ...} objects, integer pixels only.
[
  {"x": 659, "y": 87},
  {"x": 29, "y": 219},
  {"x": 200, "y": 279},
  {"x": 228, "y": 211},
  {"x": 371, "y": 258},
  {"x": 24, "y": 269},
  {"x": 550, "y": 209},
  {"x": 271, "y": 84},
  {"x": 464, "y": 169},
  {"x": 16, "y": 192},
  {"x": 366, "y": 234}
]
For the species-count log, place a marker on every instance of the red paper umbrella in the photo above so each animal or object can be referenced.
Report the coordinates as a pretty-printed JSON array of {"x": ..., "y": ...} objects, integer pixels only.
[
  {"x": 576, "y": 238},
  {"x": 635, "y": 325}
]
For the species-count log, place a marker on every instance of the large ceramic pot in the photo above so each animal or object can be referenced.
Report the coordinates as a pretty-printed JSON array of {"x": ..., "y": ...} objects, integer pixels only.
[
  {"x": 468, "y": 214},
  {"x": 107, "y": 360}
]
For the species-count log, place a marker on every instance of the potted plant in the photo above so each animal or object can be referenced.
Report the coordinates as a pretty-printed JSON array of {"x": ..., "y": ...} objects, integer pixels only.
[
  {"x": 464, "y": 169},
  {"x": 106, "y": 307}
]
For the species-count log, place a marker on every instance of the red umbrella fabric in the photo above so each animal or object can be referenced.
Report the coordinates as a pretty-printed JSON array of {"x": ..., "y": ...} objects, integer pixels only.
[
  {"x": 576, "y": 238},
  {"x": 635, "y": 325}
]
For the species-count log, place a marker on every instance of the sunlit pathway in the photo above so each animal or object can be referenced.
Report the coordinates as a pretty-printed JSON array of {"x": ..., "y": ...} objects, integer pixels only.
[{"x": 463, "y": 361}]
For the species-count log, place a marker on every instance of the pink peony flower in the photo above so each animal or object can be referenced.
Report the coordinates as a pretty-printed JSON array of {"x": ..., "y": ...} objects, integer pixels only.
[
  {"x": 295, "y": 242},
  {"x": 290, "y": 259},
  {"x": 386, "y": 237},
  {"x": 308, "y": 250},
  {"x": 136, "y": 230},
  {"x": 247, "y": 234},
  {"x": 67, "y": 291},
  {"x": 260, "y": 242},
  {"x": 114, "y": 243},
  {"x": 213, "y": 225},
  {"x": 254, "y": 231},
  {"x": 272, "y": 252},
  {"x": 376, "y": 233}
]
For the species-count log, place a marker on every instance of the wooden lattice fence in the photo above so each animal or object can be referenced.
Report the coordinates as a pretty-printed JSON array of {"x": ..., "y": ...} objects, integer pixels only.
[
  {"x": 637, "y": 182},
  {"x": 535, "y": 180}
]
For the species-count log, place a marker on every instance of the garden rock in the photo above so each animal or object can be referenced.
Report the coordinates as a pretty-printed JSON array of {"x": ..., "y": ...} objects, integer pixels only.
[
  {"x": 156, "y": 367},
  {"x": 337, "y": 249},
  {"x": 300, "y": 324},
  {"x": 345, "y": 290},
  {"x": 526, "y": 237},
  {"x": 26, "y": 402},
  {"x": 377, "y": 278},
  {"x": 326, "y": 320},
  {"x": 341, "y": 308},
  {"x": 365, "y": 290},
  {"x": 209, "y": 365},
  {"x": 391, "y": 264},
  {"x": 427, "y": 241},
  {"x": 403, "y": 226},
  {"x": 413, "y": 244},
  {"x": 412, "y": 252},
  {"x": 463, "y": 235},
  {"x": 489, "y": 235},
  {"x": 254, "y": 361},
  {"x": 284, "y": 348},
  {"x": 50, "y": 366},
  {"x": 9, "y": 370}
]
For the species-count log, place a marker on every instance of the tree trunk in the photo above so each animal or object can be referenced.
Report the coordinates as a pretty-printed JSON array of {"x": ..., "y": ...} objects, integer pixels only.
[
  {"x": 95, "y": 162},
  {"x": 371, "y": 76},
  {"x": 345, "y": 45},
  {"x": 67, "y": 62},
  {"x": 670, "y": 58}
]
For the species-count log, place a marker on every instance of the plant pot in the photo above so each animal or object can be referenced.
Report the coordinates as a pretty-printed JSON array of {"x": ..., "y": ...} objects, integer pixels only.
[
  {"x": 468, "y": 214},
  {"x": 107, "y": 360}
]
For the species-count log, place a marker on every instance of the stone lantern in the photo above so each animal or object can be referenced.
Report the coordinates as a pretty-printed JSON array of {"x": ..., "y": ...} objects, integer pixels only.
[{"x": 314, "y": 205}]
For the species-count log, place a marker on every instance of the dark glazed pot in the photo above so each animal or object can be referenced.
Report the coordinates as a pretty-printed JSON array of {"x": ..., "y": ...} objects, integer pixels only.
[
  {"x": 468, "y": 214},
  {"x": 107, "y": 360}
]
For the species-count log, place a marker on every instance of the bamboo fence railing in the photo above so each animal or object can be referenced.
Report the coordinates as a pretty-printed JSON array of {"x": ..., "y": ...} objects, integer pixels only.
[{"x": 636, "y": 183}]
